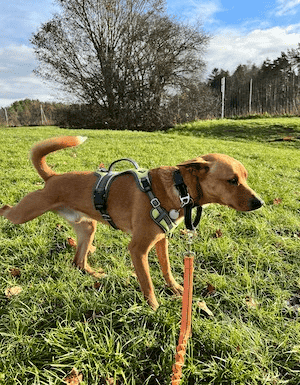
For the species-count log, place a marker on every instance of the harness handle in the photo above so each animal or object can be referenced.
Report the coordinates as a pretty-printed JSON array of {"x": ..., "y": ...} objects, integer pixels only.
[{"x": 121, "y": 160}]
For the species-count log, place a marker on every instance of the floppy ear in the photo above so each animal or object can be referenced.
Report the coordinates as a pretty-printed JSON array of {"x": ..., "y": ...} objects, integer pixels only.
[{"x": 195, "y": 165}]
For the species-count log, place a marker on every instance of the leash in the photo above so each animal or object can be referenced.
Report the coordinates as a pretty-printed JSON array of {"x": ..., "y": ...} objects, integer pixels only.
[
  {"x": 186, "y": 313},
  {"x": 189, "y": 223}
]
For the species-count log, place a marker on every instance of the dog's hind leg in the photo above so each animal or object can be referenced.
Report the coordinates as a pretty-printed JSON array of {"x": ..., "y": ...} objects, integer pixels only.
[
  {"x": 163, "y": 257},
  {"x": 85, "y": 231},
  {"x": 31, "y": 206}
]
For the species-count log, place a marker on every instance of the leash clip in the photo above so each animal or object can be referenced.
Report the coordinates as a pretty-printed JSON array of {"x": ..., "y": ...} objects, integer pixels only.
[
  {"x": 189, "y": 254},
  {"x": 185, "y": 200}
]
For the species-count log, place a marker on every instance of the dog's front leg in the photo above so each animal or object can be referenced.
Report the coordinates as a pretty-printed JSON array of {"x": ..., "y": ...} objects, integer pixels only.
[
  {"x": 163, "y": 257},
  {"x": 139, "y": 255}
]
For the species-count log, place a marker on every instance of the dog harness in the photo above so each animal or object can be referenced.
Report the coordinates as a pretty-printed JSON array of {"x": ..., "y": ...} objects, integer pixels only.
[{"x": 143, "y": 180}]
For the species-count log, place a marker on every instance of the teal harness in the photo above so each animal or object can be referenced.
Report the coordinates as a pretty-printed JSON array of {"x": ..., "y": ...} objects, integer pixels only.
[{"x": 143, "y": 180}]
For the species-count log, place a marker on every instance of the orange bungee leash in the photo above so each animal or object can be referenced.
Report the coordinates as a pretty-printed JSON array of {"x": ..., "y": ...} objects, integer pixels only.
[{"x": 186, "y": 318}]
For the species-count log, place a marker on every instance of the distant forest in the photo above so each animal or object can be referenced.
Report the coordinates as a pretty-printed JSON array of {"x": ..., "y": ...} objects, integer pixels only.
[{"x": 272, "y": 88}]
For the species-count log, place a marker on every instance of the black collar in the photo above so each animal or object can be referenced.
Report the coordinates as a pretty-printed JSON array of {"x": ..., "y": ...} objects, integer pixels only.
[{"x": 186, "y": 202}]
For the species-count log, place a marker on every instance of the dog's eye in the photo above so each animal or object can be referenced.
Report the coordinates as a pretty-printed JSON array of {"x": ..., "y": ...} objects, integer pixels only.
[{"x": 234, "y": 181}]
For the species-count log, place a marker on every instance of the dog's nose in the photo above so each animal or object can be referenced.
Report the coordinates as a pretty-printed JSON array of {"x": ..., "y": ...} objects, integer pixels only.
[{"x": 255, "y": 203}]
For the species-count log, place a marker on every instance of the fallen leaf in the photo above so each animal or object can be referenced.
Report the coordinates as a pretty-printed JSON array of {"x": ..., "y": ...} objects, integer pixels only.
[
  {"x": 74, "y": 378},
  {"x": 72, "y": 242},
  {"x": 218, "y": 234},
  {"x": 10, "y": 291},
  {"x": 205, "y": 310},
  {"x": 15, "y": 272},
  {"x": 210, "y": 290},
  {"x": 97, "y": 285},
  {"x": 250, "y": 302},
  {"x": 277, "y": 201}
]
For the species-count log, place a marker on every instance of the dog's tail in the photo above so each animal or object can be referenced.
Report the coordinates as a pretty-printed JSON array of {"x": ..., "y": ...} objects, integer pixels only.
[{"x": 42, "y": 149}]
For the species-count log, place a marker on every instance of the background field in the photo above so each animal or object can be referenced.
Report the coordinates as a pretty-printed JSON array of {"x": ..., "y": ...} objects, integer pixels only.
[{"x": 60, "y": 320}]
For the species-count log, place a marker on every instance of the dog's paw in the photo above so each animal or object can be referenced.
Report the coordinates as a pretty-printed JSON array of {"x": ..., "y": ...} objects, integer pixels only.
[
  {"x": 96, "y": 273},
  {"x": 177, "y": 289}
]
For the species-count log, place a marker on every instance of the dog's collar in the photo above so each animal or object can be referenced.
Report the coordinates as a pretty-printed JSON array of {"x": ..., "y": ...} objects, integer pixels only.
[
  {"x": 186, "y": 202},
  {"x": 184, "y": 196}
]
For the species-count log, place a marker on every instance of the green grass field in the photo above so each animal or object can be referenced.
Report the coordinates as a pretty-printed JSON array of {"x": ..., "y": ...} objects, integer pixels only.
[{"x": 61, "y": 320}]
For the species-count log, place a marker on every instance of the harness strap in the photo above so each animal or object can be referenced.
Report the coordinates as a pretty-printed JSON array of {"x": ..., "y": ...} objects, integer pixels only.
[
  {"x": 186, "y": 202},
  {"x": 101, "y": 194},
  {"x": 158, "y": 214}
]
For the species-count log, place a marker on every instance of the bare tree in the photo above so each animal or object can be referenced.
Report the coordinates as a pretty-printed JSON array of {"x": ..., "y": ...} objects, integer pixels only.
[{"x": 121, "y": 55}]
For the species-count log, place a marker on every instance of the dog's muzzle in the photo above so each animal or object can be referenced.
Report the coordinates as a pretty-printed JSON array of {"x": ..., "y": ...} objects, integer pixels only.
[{"x": 255, "y": 203}]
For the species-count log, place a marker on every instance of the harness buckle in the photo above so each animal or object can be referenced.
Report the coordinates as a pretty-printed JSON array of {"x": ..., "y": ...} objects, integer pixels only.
[
  {"x": 155, "y": 203},
  {"x": 185, "y": 200}
]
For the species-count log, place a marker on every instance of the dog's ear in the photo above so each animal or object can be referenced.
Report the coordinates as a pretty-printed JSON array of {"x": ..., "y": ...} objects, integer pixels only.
[{"x": 195, "y": 166}]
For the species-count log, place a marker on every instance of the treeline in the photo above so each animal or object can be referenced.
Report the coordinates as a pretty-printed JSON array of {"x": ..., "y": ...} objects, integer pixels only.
[
  {"x": 272, "y": 88},
  {"x": 197, "y": 102}
]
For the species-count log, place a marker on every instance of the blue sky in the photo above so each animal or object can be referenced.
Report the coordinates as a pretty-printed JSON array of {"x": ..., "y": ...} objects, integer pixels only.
[{"x": 242, "y": 32}]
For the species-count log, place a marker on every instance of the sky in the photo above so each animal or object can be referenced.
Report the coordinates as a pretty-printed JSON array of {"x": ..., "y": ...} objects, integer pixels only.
[{"x": 241, "y": 33}]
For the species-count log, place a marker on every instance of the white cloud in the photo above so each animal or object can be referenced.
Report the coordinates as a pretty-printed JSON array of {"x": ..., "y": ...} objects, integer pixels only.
[
  {"x": 287, "y": 7},
  {"x": 230, "y": 47},
  {"x": 17, "y": 80},
  {"x": 193, "y": 11},
  {"x": 204, "y": 10}
]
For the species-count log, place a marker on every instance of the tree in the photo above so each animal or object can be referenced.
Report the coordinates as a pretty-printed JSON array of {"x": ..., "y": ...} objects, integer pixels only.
[
  {"x": 124, "y": 56},
  {"x": 214, "y": 79}
]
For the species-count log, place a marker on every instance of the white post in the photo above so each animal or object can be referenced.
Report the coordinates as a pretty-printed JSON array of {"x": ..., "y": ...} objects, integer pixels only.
[
  {"x": 250, "y": 96},
  {"x": 223, "y": 96},
  {"x": 42, "y": 115}
]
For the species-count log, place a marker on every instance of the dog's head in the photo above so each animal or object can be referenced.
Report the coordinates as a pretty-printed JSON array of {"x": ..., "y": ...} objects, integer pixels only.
[{"x": 218, "y": 178}]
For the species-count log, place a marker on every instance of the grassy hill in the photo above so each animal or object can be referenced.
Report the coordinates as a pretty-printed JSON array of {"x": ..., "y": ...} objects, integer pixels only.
[{"x": 61, "y": 319}]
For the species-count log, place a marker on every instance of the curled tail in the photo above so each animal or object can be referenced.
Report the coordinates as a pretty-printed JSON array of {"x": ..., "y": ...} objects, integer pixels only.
[{"x": 42, "y": 149}]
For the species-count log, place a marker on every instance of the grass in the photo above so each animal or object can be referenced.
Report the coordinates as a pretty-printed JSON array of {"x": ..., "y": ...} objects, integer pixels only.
[
  {"x": 60, "y": 320},
  {"x": 259, "y": 129}
]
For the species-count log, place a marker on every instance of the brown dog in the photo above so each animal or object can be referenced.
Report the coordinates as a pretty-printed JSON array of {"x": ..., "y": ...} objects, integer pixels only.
[{"x": 212, "y": 178}]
